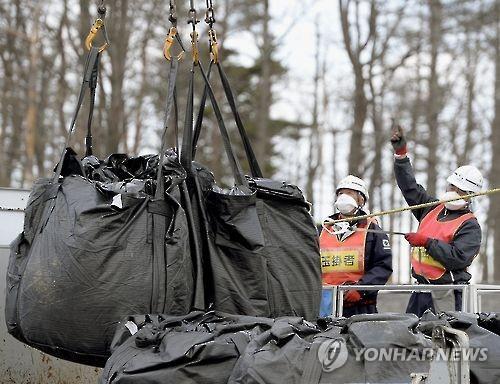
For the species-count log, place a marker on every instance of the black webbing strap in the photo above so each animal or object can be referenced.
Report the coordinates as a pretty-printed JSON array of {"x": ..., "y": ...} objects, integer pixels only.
[
  {"x": 160, "y": 219},
  {"x": 91, "y": 70},
  {"x": 92, "y": 85},
  {"x": 187, "y": 137},
  {"x": 172, "y": 79},
  {"x": 233, "y": 160},
  {"x": 312, "y": 366},
  {"x": 201, "y": 111},
  {"x": 195, "y": 242},
  {"x": 255, "y": 169},
  {"x": 252, "y": 160},
  {"x": 176, "y": 122},
  {"x": 90, "y": 73}
]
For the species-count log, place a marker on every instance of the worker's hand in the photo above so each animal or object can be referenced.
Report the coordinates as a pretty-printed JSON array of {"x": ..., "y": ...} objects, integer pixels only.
[
  {"x": 398, "y": 140},
  {"x": 352, "y": 296},
  {"x": 417, "y": 239}
]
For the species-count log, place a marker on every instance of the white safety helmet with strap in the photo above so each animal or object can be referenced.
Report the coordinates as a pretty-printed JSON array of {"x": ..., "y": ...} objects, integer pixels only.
[
  {"x": 467, "y": 178},
  {"x": 354, "y": 183}
]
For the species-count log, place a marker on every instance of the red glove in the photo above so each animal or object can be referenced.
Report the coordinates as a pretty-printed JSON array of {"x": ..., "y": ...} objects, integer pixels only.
[
  {"x": 417, "y": 239},
  {"x": 352, "y": 296},
  {"x": 398, "y": 140}
]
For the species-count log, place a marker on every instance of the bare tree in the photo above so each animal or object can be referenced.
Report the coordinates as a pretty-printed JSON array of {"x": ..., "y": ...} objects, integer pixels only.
[
  {"x": 315, "y": 142},
  {"x": 32, "y": 113},
  {"x": 119, "y": 31},
  {"x": 494, "y": 211},
  {"x": 265, "y": 92},
  {"x": 434, "y": 104},
  {"x": 360, "y": 103}
]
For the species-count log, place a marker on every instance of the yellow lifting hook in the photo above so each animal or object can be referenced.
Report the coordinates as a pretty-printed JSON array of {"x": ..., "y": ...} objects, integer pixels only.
[
  {"x": 194, "y": 45},
  {"x": 214, "y": 46},
  {"x": 98, "y": 24},
  {"x": 169, "y": 42}
]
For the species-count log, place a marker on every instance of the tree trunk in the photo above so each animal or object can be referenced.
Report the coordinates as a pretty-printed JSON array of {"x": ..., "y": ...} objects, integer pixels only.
[
  {"x": 360, "y": 112},
  {"x": 434, "y": 97},
  {"x": 262, "y": 145},
  {"x": 140, "y": 98},
  {"x": 44, "y": 133},
  {"x": 314, "y": 152},
  {"x": 119, "y": 31},
  {"x": 360, "y": 103},
  {"x": 31, "y": 115},
  {"x": 471, "y": 53},
  {"x": 494, "y": 210}
]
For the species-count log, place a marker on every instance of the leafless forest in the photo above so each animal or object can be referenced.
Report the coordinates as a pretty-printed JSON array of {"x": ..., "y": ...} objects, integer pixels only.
[{"x": 433, "y": 65}]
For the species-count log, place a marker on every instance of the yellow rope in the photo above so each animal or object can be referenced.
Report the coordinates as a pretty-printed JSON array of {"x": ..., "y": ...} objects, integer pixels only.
[{"x": 411, "y": 207}]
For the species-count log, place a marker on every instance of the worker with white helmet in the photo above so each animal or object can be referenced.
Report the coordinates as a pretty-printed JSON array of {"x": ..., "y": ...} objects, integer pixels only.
[
  {"x": 448, "y": 237},
  {"x": 350, "y": 254}
]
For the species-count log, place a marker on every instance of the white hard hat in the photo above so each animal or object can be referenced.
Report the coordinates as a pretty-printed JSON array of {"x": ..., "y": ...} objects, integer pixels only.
[
  {"x": 354, "y": 183},
  {"x": 467, "y": 178}
]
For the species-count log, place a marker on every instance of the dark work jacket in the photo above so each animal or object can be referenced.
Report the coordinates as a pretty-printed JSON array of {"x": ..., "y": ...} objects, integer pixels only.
[
  {"x": 378, "y": 259},
  {"x": 457, "y": 255}
]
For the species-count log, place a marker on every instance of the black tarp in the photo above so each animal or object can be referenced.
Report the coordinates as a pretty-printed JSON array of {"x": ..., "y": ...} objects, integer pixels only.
[{"x": 259, "y": 243}]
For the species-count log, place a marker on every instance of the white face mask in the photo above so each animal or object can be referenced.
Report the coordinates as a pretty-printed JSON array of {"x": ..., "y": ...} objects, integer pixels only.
[
  {"x": 453, "y": 205},
  {"x": 346, "y": 204}
]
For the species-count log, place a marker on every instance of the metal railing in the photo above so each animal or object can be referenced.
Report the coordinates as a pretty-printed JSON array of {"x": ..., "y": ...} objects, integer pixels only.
[{"x": 471, "y": 294}]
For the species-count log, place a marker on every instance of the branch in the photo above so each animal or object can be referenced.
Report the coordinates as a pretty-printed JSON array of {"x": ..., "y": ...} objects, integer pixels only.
[
  {"x": 303, "y": 12},
  {"x": 344, "y": 18},
  {"x": 372, "y": 21},
  {"x": 403, "y": 59},
  {"x": 390, "y": 35}
]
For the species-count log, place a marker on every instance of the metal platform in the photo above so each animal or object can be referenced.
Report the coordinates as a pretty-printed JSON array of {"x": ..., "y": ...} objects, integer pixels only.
[{"x": 471, "y": 293}]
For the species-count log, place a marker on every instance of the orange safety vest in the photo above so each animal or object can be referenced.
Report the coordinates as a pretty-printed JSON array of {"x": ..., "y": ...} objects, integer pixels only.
[
  {"x": 342, "y": 261},
  {"x": 424, "y": 264}
]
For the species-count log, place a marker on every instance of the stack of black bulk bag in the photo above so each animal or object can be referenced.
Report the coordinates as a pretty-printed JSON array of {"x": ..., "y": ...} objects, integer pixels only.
[
  {"x": 101, "y": 240},
  {"x": 219, "y": 348}
]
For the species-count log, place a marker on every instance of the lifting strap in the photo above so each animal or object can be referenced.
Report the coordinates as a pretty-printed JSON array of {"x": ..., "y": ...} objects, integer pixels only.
[
  {"x": 255, "y": 169},
  {"x": 89, "y": 81}
]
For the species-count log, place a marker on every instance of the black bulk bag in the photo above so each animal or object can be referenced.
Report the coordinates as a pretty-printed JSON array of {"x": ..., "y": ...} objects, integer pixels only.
[
  {"x": 280, "y": 355},
  {"x": 94, "y": 251},
  {"x": 298, "y": 352},
  {"x": 259, "y": 243},
  {"x": 490, "y": 321},
  {"x": 197, "y": 348}
]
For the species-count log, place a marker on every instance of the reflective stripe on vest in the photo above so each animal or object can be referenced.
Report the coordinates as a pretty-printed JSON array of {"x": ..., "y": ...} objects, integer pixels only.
[
  {"x": 424, "y": 264},
  {"x": 342, "y": 261}
]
